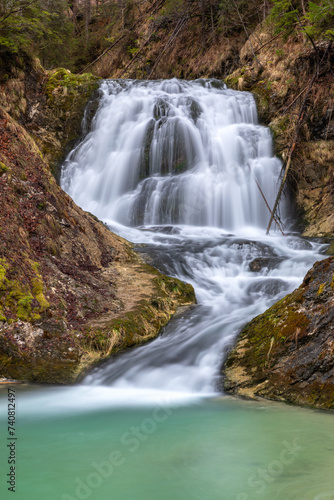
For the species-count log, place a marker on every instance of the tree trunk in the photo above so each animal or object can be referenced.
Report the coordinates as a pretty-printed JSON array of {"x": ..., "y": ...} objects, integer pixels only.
[
  {"x": 303, "y": 7},
  {"x": 87, "y": 18},
  {"x": 203, "y": 22},
  {"x": 121, "y": 7},
  {"x": 213, "y": 27}
]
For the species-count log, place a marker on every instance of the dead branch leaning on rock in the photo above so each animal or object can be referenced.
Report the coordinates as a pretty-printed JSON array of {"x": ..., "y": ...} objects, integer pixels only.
[
  {"x": 265, "y": 200},
  {"x": 302, "y": 116}
]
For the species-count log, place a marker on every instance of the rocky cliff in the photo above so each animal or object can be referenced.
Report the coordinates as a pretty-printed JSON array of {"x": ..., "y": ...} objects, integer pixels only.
[{"x": 71, "y": 292}]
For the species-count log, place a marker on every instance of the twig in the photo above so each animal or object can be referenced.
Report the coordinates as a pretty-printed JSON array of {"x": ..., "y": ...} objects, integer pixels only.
[
  {"x": 295, "y": 99},
  {"x": 294, "y": 142},
  {"x": 296, "y": 337},
  {"x": 272, "y": 340},
  {"x": 329, "y": 122},
  {"x": 265, "y": 200}
]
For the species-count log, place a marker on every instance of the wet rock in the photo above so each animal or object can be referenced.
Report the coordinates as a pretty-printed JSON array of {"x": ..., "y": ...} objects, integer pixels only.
[
  {"x": 261, "y": 263},
  {"x": 286, "y": 353},
  {"x": 269, "y": 287}
]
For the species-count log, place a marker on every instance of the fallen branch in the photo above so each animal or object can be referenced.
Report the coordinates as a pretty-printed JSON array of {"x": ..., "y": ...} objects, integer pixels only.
[
  {"x": 265, "y": 200},
  {"x": 296, "y": 134},
  {"x": 295, "y": 99},
  {"x": 101, "y": 55},
  {"x": 294, "y": 142},
  {"x": 267, "y": 43}
]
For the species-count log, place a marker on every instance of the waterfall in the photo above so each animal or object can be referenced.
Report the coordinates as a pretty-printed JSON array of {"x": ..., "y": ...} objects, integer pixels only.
[
  {"x": 174, "y": 152},
  {"x": 175, "y": 165}
]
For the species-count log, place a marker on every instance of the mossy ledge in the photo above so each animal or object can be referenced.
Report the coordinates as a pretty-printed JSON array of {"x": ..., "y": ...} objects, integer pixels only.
[
  {"x": 32, "y": 351},
  {"x": 286, "y": 353}
]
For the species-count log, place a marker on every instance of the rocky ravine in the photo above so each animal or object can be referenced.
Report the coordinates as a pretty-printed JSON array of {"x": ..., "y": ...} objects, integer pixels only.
[{"x": 71, "y": 292}]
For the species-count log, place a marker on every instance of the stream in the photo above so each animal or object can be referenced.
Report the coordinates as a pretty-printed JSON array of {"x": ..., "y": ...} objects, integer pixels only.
[{"x": 174, "y": 167}]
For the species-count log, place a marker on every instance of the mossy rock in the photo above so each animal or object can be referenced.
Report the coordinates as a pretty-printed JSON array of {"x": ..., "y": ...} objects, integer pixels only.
[
  {"x": 18, "y": 299},
  {"x": 285, "y": 353},
  {"x": 67, "y": 96}
]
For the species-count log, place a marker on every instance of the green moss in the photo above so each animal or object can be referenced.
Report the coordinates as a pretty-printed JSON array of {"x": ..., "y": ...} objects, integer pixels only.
[
  {"x": 37, "y": 288},
  {"x": 280, "y": 323},
  {"x": 67, "y": 95},
  {"x": 66, "y": 83},
  {"x": 332, "y": 282},
  {"x": 3, "y": 270},
  {"x": 18, "y": 299},
  {"x": 23, "y": 309},
  {"x": 280, "y": 125},
  {"x": 330, "y": 249},
  {"x": 232, "y": 81},
  {"x": 3, "y": 169},
  {"x": 321, "y": 288},
  {"x": 62, "y": 77}
]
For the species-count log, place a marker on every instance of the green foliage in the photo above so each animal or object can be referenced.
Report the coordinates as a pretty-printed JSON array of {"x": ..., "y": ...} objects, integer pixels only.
[
  {"x": 174, "y": 6},
  {"x": 320, "y": 19},
  {"x": 284, "y": 16},
  {"x": 21, "y": 23},
  {"x": 39, "y": 27},
  {"x": 57, "y": 44},
  {"x": 317, "y": 21}
]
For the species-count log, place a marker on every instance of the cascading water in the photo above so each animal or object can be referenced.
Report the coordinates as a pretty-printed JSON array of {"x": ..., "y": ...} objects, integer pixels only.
[
  {"x": 175, "y": 165},
  {"x": 174, "y": 152}
]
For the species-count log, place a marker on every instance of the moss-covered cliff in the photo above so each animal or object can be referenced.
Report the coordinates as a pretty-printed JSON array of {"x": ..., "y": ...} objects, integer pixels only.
[{"x": 71, "y": 292}]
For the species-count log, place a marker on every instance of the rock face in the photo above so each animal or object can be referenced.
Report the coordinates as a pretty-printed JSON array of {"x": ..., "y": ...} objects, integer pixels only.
[
  {"x": 280, "y": 86},
  {"x": 71, "y": 292},
  {"x": 287, "y": 353}
]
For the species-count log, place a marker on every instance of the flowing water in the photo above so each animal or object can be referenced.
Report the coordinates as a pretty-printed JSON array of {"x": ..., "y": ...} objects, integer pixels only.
[{"x": 173, "y": 166}]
